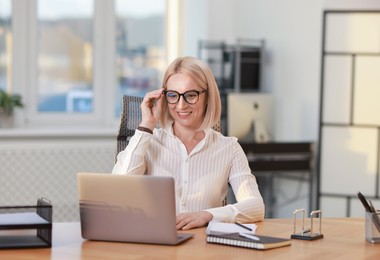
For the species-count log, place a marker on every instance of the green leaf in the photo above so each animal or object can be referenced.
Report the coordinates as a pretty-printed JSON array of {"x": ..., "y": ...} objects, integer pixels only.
[{"x": 8, "y": 102}]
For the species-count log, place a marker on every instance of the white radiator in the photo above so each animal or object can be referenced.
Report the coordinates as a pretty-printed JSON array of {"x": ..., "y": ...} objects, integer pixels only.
[{"x": 48, "y": 169}]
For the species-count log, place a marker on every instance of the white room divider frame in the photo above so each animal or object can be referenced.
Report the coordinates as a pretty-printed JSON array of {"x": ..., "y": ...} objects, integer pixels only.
[{"x": 349, "y": 133}]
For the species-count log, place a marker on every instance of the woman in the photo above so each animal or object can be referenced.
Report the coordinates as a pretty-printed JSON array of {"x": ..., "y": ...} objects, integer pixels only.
[{"x": 201, "y": 160}]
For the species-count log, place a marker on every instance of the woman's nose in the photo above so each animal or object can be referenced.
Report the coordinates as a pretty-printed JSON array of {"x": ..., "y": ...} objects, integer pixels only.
[{"x": 181, "y": 102}]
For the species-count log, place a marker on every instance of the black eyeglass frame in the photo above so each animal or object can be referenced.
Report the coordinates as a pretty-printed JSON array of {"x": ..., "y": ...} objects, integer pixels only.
[{"x": 184, "y": 95}]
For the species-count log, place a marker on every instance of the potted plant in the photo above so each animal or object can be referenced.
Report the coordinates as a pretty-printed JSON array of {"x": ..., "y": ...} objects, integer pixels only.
[{"x": 8, "y": 102}]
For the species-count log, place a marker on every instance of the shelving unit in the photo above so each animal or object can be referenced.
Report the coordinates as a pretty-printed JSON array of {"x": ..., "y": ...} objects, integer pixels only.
[
  {"x": 349, "y": 130},
  {"x": 26, "y": 226},
  {"x": 236, "y": 67}
]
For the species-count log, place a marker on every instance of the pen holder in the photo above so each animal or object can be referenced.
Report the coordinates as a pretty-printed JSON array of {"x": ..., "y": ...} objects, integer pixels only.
[{"x": 372, "y": 227}]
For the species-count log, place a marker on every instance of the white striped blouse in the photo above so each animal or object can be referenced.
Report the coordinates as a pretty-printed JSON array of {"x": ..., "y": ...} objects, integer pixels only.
[{"x": 201, "y": 177}]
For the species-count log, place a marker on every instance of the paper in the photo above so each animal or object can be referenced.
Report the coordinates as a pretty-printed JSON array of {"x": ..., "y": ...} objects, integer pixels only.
[
  {"x": 23, "y": 218},
  {"x": 216, "y": 228}
]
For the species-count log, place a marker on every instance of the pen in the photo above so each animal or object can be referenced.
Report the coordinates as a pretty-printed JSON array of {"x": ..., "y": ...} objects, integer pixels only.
[
  {"x": 372, "y": 207},
  {"x": 249, "y": 236},
  {"x": 241, "y": 225},
  {"x": 364, "y": 201}
]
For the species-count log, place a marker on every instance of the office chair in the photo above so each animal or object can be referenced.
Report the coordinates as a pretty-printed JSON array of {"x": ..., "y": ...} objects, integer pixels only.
[{"x": 130, "y": 120}]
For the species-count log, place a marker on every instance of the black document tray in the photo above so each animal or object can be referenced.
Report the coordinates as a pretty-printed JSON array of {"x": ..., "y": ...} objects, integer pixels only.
[{"x": 26, "y": 226}]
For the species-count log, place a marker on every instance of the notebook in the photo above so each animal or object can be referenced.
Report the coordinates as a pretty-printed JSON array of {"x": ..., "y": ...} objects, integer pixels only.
[
  {"x": 260, "y": 242},
  {"x": 219, "y": 228},
  {"x": 127, "y": 208}
]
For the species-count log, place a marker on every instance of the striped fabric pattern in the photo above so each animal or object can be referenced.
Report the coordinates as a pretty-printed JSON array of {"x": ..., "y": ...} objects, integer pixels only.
[{"x": 201, "y": 177}]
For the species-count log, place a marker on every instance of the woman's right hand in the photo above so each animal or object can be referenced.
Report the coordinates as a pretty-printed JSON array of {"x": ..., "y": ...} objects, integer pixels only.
[{"x": 150, "y": 108}]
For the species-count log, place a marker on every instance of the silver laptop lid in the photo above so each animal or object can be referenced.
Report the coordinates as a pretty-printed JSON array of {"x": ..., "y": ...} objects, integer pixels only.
[{"x": 127, "y": 208}]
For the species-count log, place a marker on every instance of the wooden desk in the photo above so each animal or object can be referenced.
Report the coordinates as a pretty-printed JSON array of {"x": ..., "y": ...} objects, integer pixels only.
[{"x": 344, "y": 239}]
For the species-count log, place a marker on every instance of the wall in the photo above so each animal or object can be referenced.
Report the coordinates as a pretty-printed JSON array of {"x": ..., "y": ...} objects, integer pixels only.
[
  {"x": 207, "y": 20},
  {"x": 290, "y": 67},
  {"x": 292, "y": 30},
  {"x": 292, "y": 52}
]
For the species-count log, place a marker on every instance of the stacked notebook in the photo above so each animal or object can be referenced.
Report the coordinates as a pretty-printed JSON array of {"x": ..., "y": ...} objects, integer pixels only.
[
  {"x": 235, "y": 239},
  {"x": 242, "y": 236}
]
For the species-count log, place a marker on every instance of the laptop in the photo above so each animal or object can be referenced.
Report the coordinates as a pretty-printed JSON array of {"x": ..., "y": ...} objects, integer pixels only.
[{"x": 128, "y": 208}]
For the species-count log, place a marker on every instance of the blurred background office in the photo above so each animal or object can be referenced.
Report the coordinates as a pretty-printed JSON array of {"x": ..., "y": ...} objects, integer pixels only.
[{"x": 71, "y": 62}]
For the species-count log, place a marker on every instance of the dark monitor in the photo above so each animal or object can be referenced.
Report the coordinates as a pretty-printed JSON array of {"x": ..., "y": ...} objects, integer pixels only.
[{"x": 249, "y": 71}]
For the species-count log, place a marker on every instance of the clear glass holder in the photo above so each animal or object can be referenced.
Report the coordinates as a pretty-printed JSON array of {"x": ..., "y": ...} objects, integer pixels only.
[{"x": 372, "y": 227}]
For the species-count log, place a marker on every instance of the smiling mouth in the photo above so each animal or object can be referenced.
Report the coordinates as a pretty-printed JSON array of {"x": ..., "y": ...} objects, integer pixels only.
[{"x": 183, "y": 114}]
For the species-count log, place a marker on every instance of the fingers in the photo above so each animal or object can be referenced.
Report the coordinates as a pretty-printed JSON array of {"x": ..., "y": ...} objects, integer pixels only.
[
  {"x": 150, "y": 108},
  {"x": 186, "y": 221},
  {"x": 151, "y": 97}
]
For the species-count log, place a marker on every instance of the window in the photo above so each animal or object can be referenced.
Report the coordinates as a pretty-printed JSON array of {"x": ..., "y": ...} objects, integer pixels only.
[
  {"x": 76, "y": 59},
  {"x": 140, "y": 46},
  {"x": 65, "y": 56},
  {"x": 5, "y": 44}
]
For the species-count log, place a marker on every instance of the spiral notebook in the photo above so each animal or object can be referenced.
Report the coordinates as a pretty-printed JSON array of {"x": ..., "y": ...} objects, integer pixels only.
[{"x": 235, "y": 239}]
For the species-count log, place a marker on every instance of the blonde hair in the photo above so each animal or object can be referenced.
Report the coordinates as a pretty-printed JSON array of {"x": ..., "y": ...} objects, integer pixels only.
[{"x": 198, "y": 71}]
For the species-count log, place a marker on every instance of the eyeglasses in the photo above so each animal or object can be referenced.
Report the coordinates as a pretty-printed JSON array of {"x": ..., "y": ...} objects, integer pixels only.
[{"x": 191, "y": 96}]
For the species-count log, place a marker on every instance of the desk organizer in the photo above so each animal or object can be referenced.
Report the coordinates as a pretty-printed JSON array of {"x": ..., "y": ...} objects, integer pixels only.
[
  {"x": 372, "y": 227},
  {"x": 307, "y": 233},
  {"x": 26, "y": 226}
]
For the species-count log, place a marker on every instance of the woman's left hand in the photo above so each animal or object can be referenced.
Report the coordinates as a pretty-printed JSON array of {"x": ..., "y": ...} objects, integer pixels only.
[{"x": 186, "y": 221}]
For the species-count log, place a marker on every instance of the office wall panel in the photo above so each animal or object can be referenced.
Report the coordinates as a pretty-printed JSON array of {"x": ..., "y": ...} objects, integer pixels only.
[
  {"x": 367, "y": 91},
  {"x": 333, "y": 207},
  {"x": 348, "y": 160},
  {"x": 345, "y": 33},
  {"x": 337, "y": 94},
  {"x": 349, "y": 145}
]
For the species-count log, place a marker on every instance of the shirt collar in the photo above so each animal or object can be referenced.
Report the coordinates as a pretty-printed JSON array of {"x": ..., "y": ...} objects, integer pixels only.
[{"x": 169, "y": 129}]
